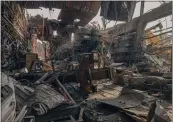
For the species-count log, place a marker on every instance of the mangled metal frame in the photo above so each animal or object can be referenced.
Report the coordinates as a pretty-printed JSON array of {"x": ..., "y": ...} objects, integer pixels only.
[
  {"x": 9, "y": 102},
  {"x": 138, "y": 24},
  {"x": 8, "y": 105},
  {"x": 95, "y": 74}
]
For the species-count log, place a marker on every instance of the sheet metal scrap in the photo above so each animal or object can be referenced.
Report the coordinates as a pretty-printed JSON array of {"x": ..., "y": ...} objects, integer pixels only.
[
  {"x": 22, "y": 93},
  {"x": 127, "y": 99},
  {"x": 46, "y": 98},
  {"x": 158, "y": 113},
  {"x": 131, "y": 103},
  {"x": 49, "y": 78},
  {"x": 11, "y": 111},
  {"x": 94, "y": 111},
  {"x": 8, "y": 100}
]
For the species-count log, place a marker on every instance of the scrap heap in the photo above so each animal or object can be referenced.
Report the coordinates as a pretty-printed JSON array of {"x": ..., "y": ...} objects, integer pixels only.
[
  {"x": 14, "y": 36},
  {"x": 77, "y": 81}
]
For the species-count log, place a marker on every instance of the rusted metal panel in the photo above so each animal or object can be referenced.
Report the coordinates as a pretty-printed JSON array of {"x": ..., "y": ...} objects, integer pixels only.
[{"x": 98, "y": 74}]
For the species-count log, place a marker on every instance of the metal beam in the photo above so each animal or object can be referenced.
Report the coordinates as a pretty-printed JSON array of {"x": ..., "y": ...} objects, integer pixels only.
[
  {"x": 157, "y": 13},
  {"x": 142, "y": 7}
]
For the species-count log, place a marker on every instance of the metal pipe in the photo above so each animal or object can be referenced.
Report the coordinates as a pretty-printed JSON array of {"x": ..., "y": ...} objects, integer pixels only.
[{"x": 65, "y": 90}]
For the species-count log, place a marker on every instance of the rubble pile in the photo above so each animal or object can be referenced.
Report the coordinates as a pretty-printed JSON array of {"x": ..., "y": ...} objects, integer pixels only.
[
  {"x": 50, "y": 94},
  {"x": 79, "y": 82},
  {"x": 45, "y": 98}
]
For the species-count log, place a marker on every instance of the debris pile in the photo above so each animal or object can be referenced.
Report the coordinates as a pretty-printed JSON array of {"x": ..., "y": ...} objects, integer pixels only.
[
  {"x": 60, "y": 90},
  {"x": 14, "y": 36},
  {"x": 79, "y": 82},
  {"x": 45, "y": 98}
]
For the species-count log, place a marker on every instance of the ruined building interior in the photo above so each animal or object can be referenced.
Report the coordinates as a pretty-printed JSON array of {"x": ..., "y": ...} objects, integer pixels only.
[{"x": 86, "y": 61}]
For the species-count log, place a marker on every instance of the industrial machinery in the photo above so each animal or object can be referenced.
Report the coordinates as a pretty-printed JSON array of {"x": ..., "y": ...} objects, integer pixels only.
[
  {"x": 87, "y": 64},
  {"x": 122, "y": 49},
  {"x": 86, "y": 41},
  {"x": 91, "y": 63}
]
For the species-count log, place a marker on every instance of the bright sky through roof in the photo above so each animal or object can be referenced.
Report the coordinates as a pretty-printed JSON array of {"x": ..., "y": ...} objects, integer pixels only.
[{"x": 148, "y": 6}]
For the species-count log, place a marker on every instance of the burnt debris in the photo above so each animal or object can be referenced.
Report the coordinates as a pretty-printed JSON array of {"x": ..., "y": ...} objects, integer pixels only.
[{"x": 100, "y": 75}]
